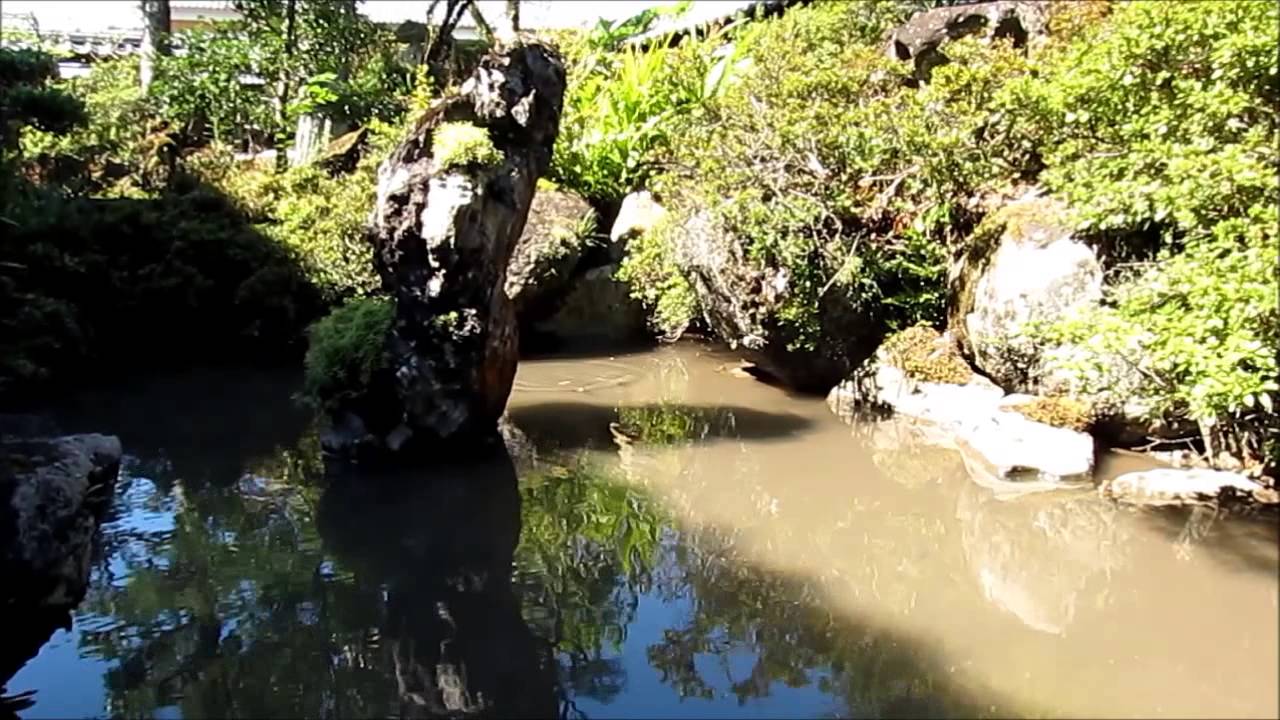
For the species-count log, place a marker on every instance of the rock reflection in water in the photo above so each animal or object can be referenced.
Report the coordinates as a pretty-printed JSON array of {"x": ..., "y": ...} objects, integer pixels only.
[
  {"x": 441, "y": 543},
  {"x": 1036, "y": 556}
]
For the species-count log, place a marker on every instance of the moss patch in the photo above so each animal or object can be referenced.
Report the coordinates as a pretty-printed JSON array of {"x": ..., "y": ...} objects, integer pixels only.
[
  {"x": 923, "y": 354},
  {"x": 460, "y": 144},
  {"x": 1057, "y": 411}
]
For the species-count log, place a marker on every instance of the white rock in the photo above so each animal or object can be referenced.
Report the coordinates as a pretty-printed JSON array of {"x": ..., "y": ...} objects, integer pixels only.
[
  {"x": 999, "y": 445},
  {"x": 1037, "y": 273},
  {"x": 638, "y": 215},
  {"x": 1179, "y": 486}
]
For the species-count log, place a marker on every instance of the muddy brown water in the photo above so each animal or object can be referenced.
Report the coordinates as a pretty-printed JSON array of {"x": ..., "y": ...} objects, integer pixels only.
[{"x": 683, "y": 542}]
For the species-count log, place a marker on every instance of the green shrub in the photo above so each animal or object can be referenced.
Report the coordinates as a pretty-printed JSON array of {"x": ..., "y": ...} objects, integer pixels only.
[
  {"x": 462, "y": 145},
  {"x": 88, "y": 282},
  {"x": 122, "y": 132},
  {"x": 346, "y": 349},
  {"x": 621, "y": 105},
  {"x": 318, "y": 217},
  {"x": 820, "y": 160},
  {"x": 656, "y": 281},
  {"x": 1163, "y": 120}
]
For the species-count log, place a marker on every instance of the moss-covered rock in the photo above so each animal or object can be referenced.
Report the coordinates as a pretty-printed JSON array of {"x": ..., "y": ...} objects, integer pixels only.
[
  {"x": 460, "y": 144},
  {"x": 1021, "y": 268},
  {"x": 1057, "y": 411},
  {"x": 560, "y": 228},
  {"x": 924, "y": 354}
]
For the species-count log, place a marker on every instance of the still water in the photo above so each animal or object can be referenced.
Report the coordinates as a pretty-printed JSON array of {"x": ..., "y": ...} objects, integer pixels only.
[{"x": 667, "y": 539}]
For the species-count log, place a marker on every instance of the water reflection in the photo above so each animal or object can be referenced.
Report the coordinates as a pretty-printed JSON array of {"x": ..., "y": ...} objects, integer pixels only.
[
  {"x": 682, "y": 544},
  {"x": 440, "y": 544}
]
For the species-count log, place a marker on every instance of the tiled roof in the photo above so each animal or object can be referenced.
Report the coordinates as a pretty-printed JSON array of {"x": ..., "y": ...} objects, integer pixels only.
[{"x": 86, "y": 45}]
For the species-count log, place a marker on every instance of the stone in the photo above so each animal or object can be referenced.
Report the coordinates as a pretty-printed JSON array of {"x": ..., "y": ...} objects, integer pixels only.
[
  {"x": 343, "y": 153},
  {"x": 639, "y": 214},
  {"x": 53, "y": 492},
  {"x": 443, "y": 235},
  {"x": 599, "y": 307},
  {"x": 741, "y": 304},
  {"x": 560, "y": 227},
  {"x": 1024, "y": 267},
  {"x": 1184, "y": 486},
  {"x": 1000, "y": 447},
  {"x": 920, "y": 39}
]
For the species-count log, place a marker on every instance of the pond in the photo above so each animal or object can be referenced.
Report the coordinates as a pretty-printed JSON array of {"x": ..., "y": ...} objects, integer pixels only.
[{"x": 665, "y": 538}]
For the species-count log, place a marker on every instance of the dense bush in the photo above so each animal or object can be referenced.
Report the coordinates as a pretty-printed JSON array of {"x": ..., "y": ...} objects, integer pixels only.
[
  {"x": 346, "y": 349},
  {"x": 1163, "y": 120},
  {"x": 1155, "y": 121},
  {"x": 821, "y": 160},
  {"x": 112, "y": 280},
  {"x": 318, "y": 217},
  {"x": 121, "y": 148}
]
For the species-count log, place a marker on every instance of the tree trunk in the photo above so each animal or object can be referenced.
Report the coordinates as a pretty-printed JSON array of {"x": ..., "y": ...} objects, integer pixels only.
[
  {"x": 513, "y": 15},
  {"x": 285, "y": 88},
  {"x": 440, "y": 44},
  {"x": 482, "y": 25},
  {"x": 155, "y": 38}
]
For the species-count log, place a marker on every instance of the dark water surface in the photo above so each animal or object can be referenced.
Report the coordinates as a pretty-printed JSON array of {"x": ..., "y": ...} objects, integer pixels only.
[{"x": 672, "y": 541}]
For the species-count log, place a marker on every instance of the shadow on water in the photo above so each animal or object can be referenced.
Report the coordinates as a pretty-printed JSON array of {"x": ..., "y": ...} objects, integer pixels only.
[
  {"x": 201, "y": 425},
  {"x": 569, "y": 425}
]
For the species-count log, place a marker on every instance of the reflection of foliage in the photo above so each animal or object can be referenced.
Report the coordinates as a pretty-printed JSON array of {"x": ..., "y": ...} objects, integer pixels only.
[
  {"x": 662, "y": 424},
  {"x": 781, "y": 622},
  {"x": 233, "y": 611},
  {"x": 669, "y": 423},
  {"x": 587, "y": 548}
]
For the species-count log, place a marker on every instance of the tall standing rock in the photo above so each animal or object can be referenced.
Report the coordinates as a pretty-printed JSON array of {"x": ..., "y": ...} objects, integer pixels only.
[{"x": 443, "y": 231}]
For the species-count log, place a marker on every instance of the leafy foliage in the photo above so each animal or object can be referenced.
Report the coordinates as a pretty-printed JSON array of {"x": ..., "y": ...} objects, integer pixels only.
[
  {"x": 121, "y": 148},
  {"x": 821, "y": 160},
  {"x": 245, "y": 82},
  {"x": 347, "y": 347},
  {"x": 621, "y": 103},
  {"x": 318, "y": 217},
  {"x": 96, "y": 279},
  {"x": 1182, "y": 146}
]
